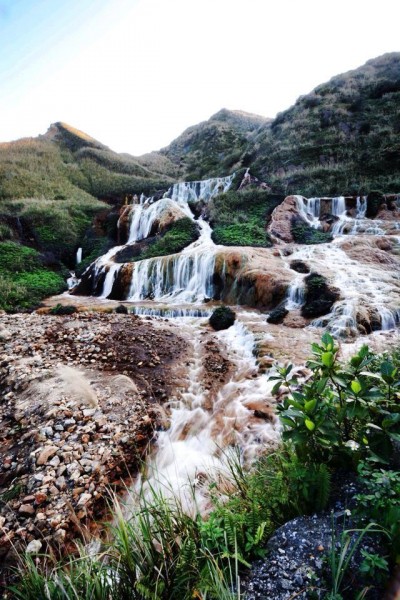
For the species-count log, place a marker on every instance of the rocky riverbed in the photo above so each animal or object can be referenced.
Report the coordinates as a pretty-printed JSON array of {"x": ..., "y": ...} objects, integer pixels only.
[{"x": 81, "y": 399}]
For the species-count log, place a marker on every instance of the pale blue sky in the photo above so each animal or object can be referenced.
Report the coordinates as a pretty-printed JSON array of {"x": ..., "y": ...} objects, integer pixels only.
[{"x": 135, "y": 73}]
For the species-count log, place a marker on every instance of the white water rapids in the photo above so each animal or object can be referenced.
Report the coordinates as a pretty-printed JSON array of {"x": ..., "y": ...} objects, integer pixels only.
[{"x": 203, "y": 424}]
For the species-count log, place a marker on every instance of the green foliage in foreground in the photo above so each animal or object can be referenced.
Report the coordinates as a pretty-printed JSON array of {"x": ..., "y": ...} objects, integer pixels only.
[
  {"x": 24, "y": 281},
  {"x": 345, "y": 415},
  {"x": 181, "y": 233}
]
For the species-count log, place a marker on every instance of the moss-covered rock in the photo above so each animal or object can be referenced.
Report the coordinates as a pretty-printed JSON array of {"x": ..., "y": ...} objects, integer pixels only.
[
  {"x": 277, "y": 315},
  {"x": 223, "y": 317},
  {"x": 319, "y": 296}
]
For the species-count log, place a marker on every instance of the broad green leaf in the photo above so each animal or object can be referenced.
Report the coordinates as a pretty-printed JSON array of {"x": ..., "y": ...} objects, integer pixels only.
[
  {"x": 355, "y": 386},
  {"x": 339, "y": 381},
  {"x": 288, "y": 422},
  {"x": 309, "y": 406},
  {"x": 309, "y": 424},
  {"x": 328, "y": 342},
  {"x": 327, "y": 359}
]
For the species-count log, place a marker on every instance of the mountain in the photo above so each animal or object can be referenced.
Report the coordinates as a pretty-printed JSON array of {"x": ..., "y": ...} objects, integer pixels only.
[
  {"x": 214, "y": 147},
  {"x": 342, "y": 138}
]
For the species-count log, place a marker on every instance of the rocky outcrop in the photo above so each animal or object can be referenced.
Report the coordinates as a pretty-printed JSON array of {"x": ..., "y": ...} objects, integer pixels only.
[
  {"x": 280, "y": 227},
  {"x": 319, "y": 297},
  {"x": 250, "y": 276},
  {"x": 169, "y": 213}
]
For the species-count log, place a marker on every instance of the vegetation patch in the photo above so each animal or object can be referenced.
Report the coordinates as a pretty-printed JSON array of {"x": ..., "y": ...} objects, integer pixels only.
[
  {"x": 24, "y": 281},
  {"x": 304, "y": 234},
  {"x": 241, "y": 218},
  {"x": 180, "y": 234}
]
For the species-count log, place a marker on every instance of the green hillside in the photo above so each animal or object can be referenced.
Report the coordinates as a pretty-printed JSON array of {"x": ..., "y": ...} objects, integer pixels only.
[{"x": 342, "y": 138}]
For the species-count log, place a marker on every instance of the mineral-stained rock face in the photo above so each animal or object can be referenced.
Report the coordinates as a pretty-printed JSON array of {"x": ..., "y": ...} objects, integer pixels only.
[
  {"x": 281, "y": 220},
  {"x": 251, "y": 276},
  {"x": 167, "y": 213}
]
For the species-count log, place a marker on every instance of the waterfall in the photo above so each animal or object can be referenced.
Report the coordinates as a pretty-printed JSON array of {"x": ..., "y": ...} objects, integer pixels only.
[
  {"x": 296, "y": 294},
  {"x": 171, "y": 313},
  {"x": 110, "y": 278},
  {"x": 78, "y": 256},
  {"x": 309, "y": 209},
  {"x": 338, "y": 206},
  {"x": 144, "y": 216},
  {"x": 181, "y": 278},
  {"x": 187, "y": 191}
]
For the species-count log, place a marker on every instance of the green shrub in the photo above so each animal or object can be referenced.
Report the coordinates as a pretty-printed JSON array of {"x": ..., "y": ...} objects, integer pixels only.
[
  {"x": 343, "y": 413},
  {"x": 24, "y": 282},
  {"x": 180, "y": 234},
  {"x": 245, "y": 234},
  {"x": 304, "y": 234},
  {"x": 6, "y": 233},
  {"x": 16, "y": 257},
  {"x": 241, "y": 218}
]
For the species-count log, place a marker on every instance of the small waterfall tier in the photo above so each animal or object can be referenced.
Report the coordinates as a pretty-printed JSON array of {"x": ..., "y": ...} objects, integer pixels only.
[
  {"x": 193, "y": 191},
  {"x": 350, "y": 216}
]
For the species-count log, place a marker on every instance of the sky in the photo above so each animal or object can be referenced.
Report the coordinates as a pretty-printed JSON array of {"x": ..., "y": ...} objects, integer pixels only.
[{"x": 134, "y": 74}]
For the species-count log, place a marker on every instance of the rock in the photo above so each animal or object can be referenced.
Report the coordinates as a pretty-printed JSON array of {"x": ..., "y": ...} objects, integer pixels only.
[
  {"x": 223, "y": 317},
  {"x": 299, "y": 266},
  {"x": 26, "y": 510},
  {"x": 280, "y": 227},
  {"x": 46, "y": 453},
  {"x": 277, "y": 315},
  {"x": 319, "y": 297},
  {"x": 34, "y": 547},
  {"x": 84, "y": 499},
  {"x": 5, "y": 335}
]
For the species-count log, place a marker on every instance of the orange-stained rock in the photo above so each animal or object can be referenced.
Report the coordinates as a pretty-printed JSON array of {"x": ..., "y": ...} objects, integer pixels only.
[{"x": 280, "y": 227}]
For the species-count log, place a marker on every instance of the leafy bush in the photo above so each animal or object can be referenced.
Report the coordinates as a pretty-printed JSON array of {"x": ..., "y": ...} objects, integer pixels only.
[
  {"x": 181, "y": 233},
  {"x": 245, "y": 234},
  {"x": 241, "y": 218},
  {"x": 343, "y": 413},
  {"x": 15, "y": 257},
  {"x": 380, "y": 501},
  {"x": 24, "y": 282},
  {"x": 304, "y": 234}
]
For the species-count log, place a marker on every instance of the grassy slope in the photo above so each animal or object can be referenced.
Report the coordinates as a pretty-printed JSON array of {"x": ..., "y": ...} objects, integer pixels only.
[
  {"x": 214, "y": 147},
  {"x": 343, "y": 137},
  {"x": 51, "y": 198}
]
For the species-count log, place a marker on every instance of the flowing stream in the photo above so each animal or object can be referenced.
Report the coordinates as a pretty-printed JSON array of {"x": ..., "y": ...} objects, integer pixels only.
[{"x": 205, "y": 422}]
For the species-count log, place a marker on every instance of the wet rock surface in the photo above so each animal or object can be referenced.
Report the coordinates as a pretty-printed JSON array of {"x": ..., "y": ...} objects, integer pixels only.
[
  {"x": 298, "y": 554},
  {"x": 77, "y": 412}
]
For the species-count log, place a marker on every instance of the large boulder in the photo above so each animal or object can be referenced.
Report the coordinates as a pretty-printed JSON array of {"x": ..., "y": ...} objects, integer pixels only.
[
  {"x": 280, "y": 227},
  {"x": 319, "y": 296},
  {"x": 251, "y": 276}
]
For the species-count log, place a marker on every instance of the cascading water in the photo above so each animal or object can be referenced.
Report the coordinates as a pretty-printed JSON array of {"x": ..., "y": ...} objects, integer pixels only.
[
  {"x": 187, "y": 191},
  {"x": 192, "y": 450},
  {"x": 180, "y": 278},
  {"x": 185, "y": 277},
  {"x": 79, "y": 256},
  {"x": 309, "y": 209},
  {"x": 296, "y": 293}
]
